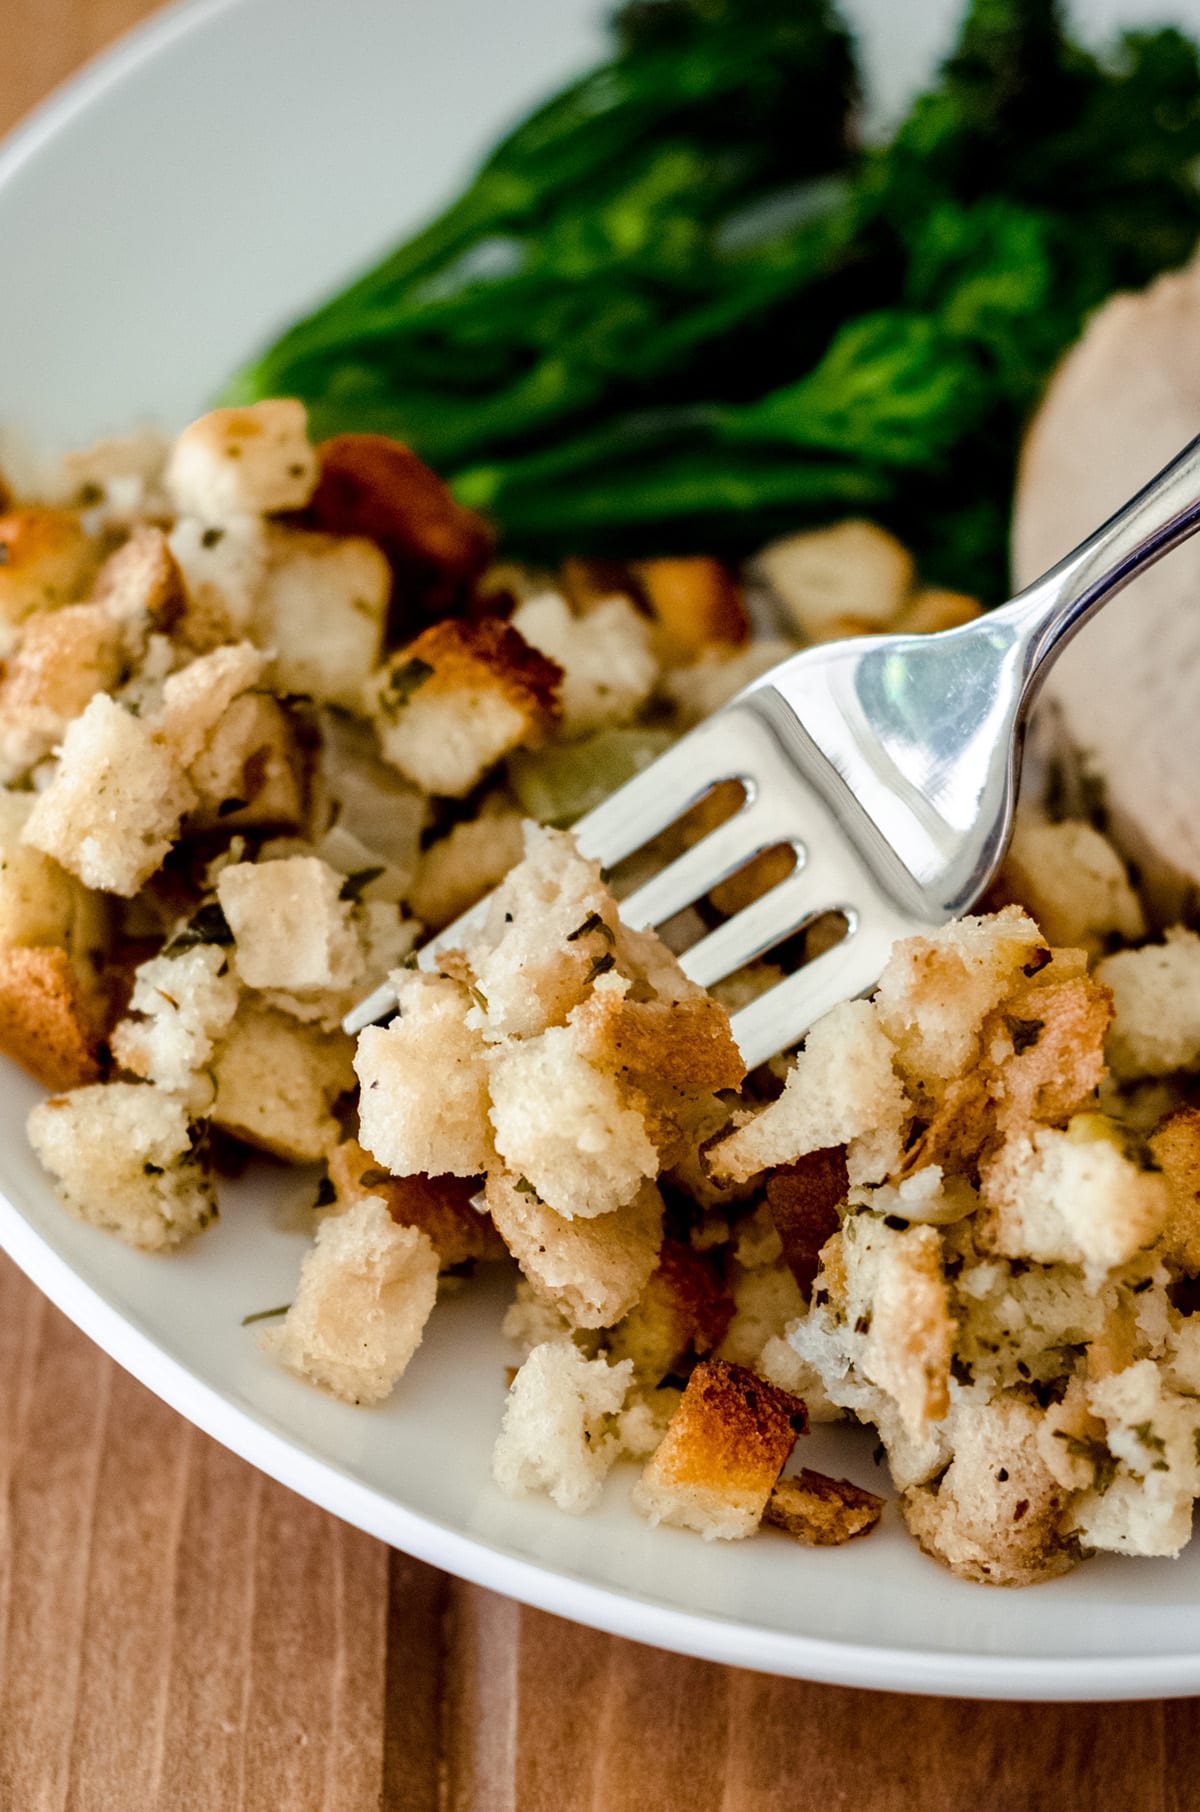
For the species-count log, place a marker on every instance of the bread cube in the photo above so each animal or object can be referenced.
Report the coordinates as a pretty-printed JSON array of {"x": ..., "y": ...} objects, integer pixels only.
[
  {"x": 40, "y": 903},
  {"x": 854, "y": 572},
  {"x": 442, "y": 1207},
  {"x": 1156, "y": 998},
  {"x": 141, "y": 583},
  {"x": 462, "y": 866},
  {"x": 112, "y": 810},
  {"x": 250, "y": 771},
  {"x": 424, "y": 1085},
  {"x": 911, "y": 1333},
  {"x": 765, "y": 1300},
  {"x": 246, "y": 461},
  {"x": 712, "y": 680},
  {"x": 49, "y": 1020},
  {"x": 934, "y": 991},
  {"x": 607, "y": 657},
  {"x": 278, "y": 1081},
  {"x": 322, "y": 608},
  {"x": 1073, "y": 1197},
  {"x": 124, "y": 1160},
  {"x": 568, "y": 1127},
  {"x": 459, "y": 698},
  {"x": 697, "y": 604},
  {"x": 822, "y": 1512},
  {"x": 683, "y": 1308},
  {"x": 842, "y": 1089},
  {"x": 181, "y": 1005},
  {"x": 592, "y": 1271},
  {"x": 1175, "y": 1145},
  {"x": 224, "y": 568},
  {"x": 47, "y": 558},
  {"x": 366, "y": 1290},
  {"x": 722, "y": 1454},
  {"x": 291, "y": 927},
  {"x": 195, "y": 699},
  {"x": 1151, "y": 1440},
  {"x": 63, "y": 658},
  {"x": 558, "y": 1434},
  {"x": 995, "y": 1515},
  {"x": 1072, "y": 881}
]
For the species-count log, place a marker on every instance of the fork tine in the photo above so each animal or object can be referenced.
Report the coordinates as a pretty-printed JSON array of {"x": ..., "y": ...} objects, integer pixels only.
[
  {"x": 701, "y": 868},
  {"x": 638, "y": 811},
  {"x": 757, "y": 928},
  {"x": 781, "y": 1017}
]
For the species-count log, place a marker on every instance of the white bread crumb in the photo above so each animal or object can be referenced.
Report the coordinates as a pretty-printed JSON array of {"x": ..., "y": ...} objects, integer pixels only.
[
  {"x": 557, "y": 1434},
  {"x": 424, "y": 1100}
]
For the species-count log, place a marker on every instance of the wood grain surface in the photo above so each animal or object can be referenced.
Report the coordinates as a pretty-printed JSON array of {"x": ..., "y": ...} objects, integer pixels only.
[{"x": 179, "y": 1634}]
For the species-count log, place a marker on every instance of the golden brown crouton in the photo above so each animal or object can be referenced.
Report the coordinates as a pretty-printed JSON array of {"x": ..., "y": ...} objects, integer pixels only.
[
  {"x": 277, "y": 1082},
  {"x": 929, "y": 609},
  {"x": 63, "y": 658},
  {"x": 683, "y": 1309},
  {"x": 911, "y": 1334},
  {"x": 366, "y": 1290},
  {"x": 822, "y": 1512},
  {"x": 250, "y": 772},
  {"x": 995, "y": 1514},
  {"x": 592, "y": 1270},
  {"x": 440, "y": 1206},
  {"x": 460, "y": 697},
  {"x": 803, "y": 1199},
  {"x": 142, "y": 579},
  {"x": 465, "y": 864},
  {"x": 696, "y": 603},
  {"x": 1057, "y": 1038},
  {"x": 46, "y": 1021},
  {"x": 376, "y": 487},
  {"x": 47, "y": 558},
  {"x": 1175, "y": 1144},
  {"x": 853, "y": 571},
  {"x": 247, "y": 461},
  {"x": 291, "y": 927},
  {"x": 684, "y": 1044},
  {"x": 722, "y": 1453}
]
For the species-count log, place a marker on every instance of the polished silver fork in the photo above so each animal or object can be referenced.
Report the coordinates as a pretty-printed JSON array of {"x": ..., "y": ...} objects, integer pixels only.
[{"x": 888, "y": 763}]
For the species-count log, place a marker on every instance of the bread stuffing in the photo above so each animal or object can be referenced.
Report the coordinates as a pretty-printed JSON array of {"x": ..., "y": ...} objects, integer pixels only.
[{"x": 271, "y": 716}]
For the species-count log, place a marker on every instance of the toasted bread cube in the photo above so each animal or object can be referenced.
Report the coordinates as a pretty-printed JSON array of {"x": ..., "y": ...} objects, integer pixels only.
[
  {"x": 840, "y": 1090},
  {"x": 822, "y": 1512},
  {"x": 224, "y": 568},
  {"x": 803, "y": 1199},
  {"x": 1072, "y": 881},
  {"x": 1074, "y": 1197},
  {"x": 322, "y": 607},
  {"x": 123, "y": 1159},
  {"x": 141, "y": 582},
  {"x": 682, "y": 1309},
  {"x": 366, "y": 1290},
  {"x": 64, "y": 657},
  {"x": 441, "y": 1207},
  {"x": 696, "y": 603},
  {"x": 593, "y": 1271},
  {"x": 911, "y": 1336},
  {"x": 424, "y": 1099},
  {"x": 722, "y": 1454},
  {"x": 48, "y": 1021},
  {"x": 40, "y": 903},
  {"x": 458, "y": 699},
  {"x": 1057, "y": 1034},
  {"x": 607, "y": 657},
  {"x": 277, "y": 1082},
  {"x": 1151, "y": 1441},
  {"x": 662, "y": 1045},
  {"x": 243, "y": 462},
  {"x": 47, "y": 558},
  {"x": 1175, "y": 1144},
  {"x": 558, "y": 1434},
  {"x": 996, "y": 1513},
  {"x": 468, "y": 862},
  {"x": 934, "y": 991},
  {"x": 570, "y": 1128},
  {"x": 180, "y": 1006},
  {"x": 112, "y": 810},
  {"x": 291, "y": 927},
  {"x": 708, "y": 683},
  {"x": 196, "y": 698},
  {"x": 120, "y": 474},
  {"x": 930, "y": 609},
  {"x": 249, "y": 772},
  {"x": 1156, "y": 996},
  {"x": 853, "y": 571}
]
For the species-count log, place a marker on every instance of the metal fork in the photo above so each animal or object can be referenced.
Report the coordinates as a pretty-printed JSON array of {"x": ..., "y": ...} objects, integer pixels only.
[{"x": 888, "y": 763}]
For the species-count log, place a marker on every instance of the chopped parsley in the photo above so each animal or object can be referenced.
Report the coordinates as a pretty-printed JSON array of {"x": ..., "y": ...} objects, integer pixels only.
[
  {"x": 593, "y": 922},
  {"x": 208, "y": 926},
  {"x": 1097, "y": 1455},
  {"x": 402, "y": 682},
  {"x": 600, "y": 967},
  {"x": 355, "y": 885},
  {"x": 1024, "y": 1032},
  {"x": 265, "y": 1314}
]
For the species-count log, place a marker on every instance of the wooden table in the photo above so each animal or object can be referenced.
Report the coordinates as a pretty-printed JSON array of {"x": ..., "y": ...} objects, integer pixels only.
[{"x": 177, "y": 1632}]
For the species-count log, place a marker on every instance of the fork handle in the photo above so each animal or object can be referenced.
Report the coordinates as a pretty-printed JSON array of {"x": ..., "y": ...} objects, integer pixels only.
[{"x": 1162, "y": 515}]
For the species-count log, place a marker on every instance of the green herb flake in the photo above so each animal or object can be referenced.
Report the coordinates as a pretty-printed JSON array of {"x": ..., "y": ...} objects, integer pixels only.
[
  {"x": 600, "y": 967},
  {"x": 208, "y": 926},
  {"x": 265, "y": 1314},
  {"x": 374, "y": 1178},
  {"x": 402, "y": 682},
  {"x": 228, "y": 806},
  {"x": 355, "y": 885},
  {"x": 593, "y": 922},
  {"x": 326, "y": 1194},
  {"x": 212, "y": 537},
  {"x": 1154, "y": 1443},
  {"x": 479, "y": 997},
  {"x": 525, "y": 1187},
  {"x": 1023, "y": 1032},
  {"x": 1097, "y": 1455}
]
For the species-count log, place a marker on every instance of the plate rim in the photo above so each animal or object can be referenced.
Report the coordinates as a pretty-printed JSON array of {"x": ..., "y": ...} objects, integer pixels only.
[{"x": 619, "y": 1612}]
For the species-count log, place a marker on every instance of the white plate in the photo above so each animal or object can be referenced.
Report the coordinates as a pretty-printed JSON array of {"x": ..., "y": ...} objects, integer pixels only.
[{"x": 159, "y": 218}]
